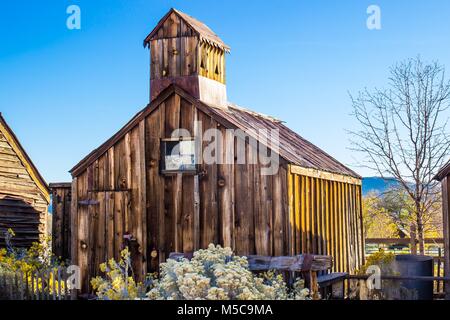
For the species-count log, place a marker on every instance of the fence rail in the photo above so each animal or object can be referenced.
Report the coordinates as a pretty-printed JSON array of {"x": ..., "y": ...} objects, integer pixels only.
[
  {"x": 45, "y": 285},
  {"x": 389, "y": 245},
  {"x": 405, "y": 241}
]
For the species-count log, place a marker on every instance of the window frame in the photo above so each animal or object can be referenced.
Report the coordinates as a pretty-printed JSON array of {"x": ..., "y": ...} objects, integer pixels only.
[{"x": 163, "y": 148}]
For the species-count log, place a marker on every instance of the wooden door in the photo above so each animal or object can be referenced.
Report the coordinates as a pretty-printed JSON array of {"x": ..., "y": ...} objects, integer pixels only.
[{"x": 108, "y": 215}]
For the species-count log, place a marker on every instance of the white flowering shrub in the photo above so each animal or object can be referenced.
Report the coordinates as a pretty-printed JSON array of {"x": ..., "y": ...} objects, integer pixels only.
[{"x": 217, "y": 274}]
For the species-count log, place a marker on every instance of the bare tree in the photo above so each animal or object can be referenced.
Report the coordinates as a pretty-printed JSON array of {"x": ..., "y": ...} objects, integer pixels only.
[{"x": 404, "y": 132}]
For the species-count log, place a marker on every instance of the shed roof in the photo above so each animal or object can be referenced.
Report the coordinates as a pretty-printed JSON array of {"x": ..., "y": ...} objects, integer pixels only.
[
  {"x": 292, "y": 147},
  {"x": 202, "y": 30},
  {"x": 24, "y": 158},
  {"x": 444, "y": 172}
]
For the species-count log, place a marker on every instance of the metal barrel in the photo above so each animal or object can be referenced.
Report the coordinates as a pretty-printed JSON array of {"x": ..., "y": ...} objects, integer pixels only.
[{"x": 413, "y": 265}]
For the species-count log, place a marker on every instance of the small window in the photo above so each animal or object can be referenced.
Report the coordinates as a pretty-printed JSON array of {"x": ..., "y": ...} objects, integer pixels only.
[
  {"x": 204, "y": 60},
  {"x": 178, "y": 156}
]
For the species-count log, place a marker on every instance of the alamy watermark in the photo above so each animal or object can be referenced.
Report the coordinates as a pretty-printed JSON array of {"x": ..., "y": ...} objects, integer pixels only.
[
  {"x": 73, "y": 21},
  {"x": 374, "y": 280},
  {"x": 261, "y": 146},
  {"x": 74, "y": 278},
  {"x": 374, "y": 19}
]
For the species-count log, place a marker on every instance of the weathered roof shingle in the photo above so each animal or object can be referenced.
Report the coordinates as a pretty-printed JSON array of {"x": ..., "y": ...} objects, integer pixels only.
[
  {"x": 292, "y": 147},
  {"x": 202, "y": 30}
]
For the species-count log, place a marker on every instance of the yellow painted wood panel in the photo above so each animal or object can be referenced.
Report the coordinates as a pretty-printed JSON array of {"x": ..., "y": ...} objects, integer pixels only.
[
  {"x": 323, "y": 215},
  {"x": 291, "y": 220},
  {"x": 297, "y": 205},
  {"x": 303, "y": 214}
]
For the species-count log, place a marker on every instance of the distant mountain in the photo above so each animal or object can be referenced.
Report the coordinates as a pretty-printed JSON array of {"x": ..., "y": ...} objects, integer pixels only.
[{"x": 377, "y": 184}]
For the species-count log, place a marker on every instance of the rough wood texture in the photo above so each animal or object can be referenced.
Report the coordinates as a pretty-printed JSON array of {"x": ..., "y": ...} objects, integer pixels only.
[
  {"x": 24, "y": 195},
  {"x": 290, "y": 263},
  {"x": 185, "y": 52},
  {"x": 287, "y": 214},
  {"x": 330, "y": 209},
  {"x": 191, "y": 219},
  {"x": 446, "y": 217},
  {"x": 61, "y": 219},
  {"x": 298, "y": 263},
  {"x": 310, "y": 205}
]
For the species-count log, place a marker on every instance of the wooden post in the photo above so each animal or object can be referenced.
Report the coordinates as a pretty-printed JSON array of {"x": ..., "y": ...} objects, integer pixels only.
[
  {"x": 446, "y": 217},
  {"x": 314, "y": 286},
  {"x": 74, "y": 234}
]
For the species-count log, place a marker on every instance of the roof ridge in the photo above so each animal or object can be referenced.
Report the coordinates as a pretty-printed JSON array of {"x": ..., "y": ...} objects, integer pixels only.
[
  {"x": 255, "y": 113},
  {"x": 293, "y": 148},
  {"x": 205, "y": 33}
]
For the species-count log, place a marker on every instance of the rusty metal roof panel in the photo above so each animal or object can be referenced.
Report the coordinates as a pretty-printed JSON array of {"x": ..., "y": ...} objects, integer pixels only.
[
  {"x": 292, "y": 147},
  {"x": 203, "y": 31}
]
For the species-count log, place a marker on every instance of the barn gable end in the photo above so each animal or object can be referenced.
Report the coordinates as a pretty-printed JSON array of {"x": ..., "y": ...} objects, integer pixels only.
[{"x": 24, "y": 195}]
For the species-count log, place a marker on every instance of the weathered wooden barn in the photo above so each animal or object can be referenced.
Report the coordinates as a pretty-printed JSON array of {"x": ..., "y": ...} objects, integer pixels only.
[
  {"x": 444, "y": 177},
  {"x": 150, "y": 189},
  {"x": 24, "y": 195}
]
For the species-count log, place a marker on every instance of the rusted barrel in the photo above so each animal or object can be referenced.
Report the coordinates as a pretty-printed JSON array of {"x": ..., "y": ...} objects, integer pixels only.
[{"x": 421, "y": 266}]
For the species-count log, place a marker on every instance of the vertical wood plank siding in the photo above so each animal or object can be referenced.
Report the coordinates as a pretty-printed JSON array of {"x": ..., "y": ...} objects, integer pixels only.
[
  {"x": 61, "y": 220},
  {"x": 326, "y": 220},
  {"x": 446, "y": 222},
  {"x": 123, "y": 200}
]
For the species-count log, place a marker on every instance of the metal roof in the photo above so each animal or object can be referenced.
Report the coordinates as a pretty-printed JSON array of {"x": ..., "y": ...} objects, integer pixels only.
[
  {"x": 202, "y": 30},
  {"x": 292, "y": 147}
]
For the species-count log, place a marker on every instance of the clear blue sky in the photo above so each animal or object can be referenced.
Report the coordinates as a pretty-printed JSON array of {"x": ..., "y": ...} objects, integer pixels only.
[{"x": 64, "y": 91}]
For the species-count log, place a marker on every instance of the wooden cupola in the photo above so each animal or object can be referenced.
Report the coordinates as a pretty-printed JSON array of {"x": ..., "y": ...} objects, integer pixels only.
[{"x": 185, "y": 52}]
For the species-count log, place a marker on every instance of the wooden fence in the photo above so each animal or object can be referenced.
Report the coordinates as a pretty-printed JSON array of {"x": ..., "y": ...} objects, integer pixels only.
[
  {"x": 403, "y": 245},
  {"x": 439, "y": 272},
  {"x": 46, "y": 285}
]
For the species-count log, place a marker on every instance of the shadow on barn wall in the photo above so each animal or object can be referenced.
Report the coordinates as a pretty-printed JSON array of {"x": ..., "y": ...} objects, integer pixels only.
[{"x": 22, "y": 218}]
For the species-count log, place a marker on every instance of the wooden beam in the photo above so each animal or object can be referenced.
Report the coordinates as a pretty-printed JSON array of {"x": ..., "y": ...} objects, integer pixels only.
[
  {"x": 314, "y": 173},
  {"x": 142, "y": 228},
  {"x": 291, "y": 217},
  {"x": 290, "y": 263},
  {"x": 298, "y": 263},
  {"x": 404, "y": 241},
  {"x": 59, "y": 185},
  {"x": 446, "y": 220},
  {"x": 74, "y": 227}
]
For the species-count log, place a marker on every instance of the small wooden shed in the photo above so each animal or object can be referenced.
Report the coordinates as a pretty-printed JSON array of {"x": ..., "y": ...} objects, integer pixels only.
[
  {"x": 24, "y": 195},
  {"x": 444, "y": 177},
  {"x": 150, "y": 189}
]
